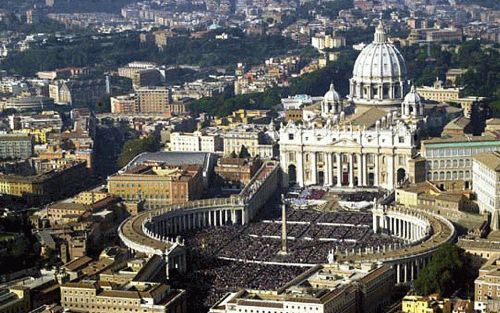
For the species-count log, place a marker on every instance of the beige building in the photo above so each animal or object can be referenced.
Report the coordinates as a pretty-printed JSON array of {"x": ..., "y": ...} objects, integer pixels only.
[
  {"x": 330, "y": 288},
  {"x": 326, "y": 41},
  {"x": 430, "y": 304},
  {"x": 124, "y": 104},
  {"x": 90, "y": 197},
  {"x": 427, "y": 196},
  {"x": 153, "y": 99},
  {"x": 254, "y": 141},
  {"x": 439, "y": 93},
  {"x": 486, "y": 182},
  {"x": 485, "y": 248},
  {"x": 95, "y": 297},
  {"x": 487, "y": 287},
  {"x": 236, "y": 172},
  {"x": 63, "y": 212},
  {"x": 131, "y": 68},
  {"x": 157, "y": 184},
  {"x": 196, "y": 141},
  {"x": 444, "y": 35},
  {"x": 449, "y": 159}
]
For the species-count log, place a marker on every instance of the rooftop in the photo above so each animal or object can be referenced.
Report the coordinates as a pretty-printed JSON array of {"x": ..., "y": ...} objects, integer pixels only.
[
  {"x": 487, "y": 137},
  {"x": 171, "y": 158},
  {"x": 368, "y": 117},
  {"x": 489, "y": 159}
]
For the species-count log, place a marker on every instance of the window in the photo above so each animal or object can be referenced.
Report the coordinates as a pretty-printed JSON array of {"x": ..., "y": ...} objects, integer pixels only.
[{"x": 290, "y": 136}]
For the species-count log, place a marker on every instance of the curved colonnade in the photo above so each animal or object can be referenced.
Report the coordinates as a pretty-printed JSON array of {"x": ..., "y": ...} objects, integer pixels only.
[
  {"x": 423, "y": 232},
  {"x": 155, "y": 232}
]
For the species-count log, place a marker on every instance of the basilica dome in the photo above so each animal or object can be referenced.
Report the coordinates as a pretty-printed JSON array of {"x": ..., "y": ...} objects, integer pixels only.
[{"x": 379, "y": 74}]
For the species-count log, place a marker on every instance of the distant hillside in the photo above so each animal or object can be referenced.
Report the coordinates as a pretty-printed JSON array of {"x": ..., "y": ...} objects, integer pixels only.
[
  {"x": 492, "y": 4},
  {"x": 75, "y": 6}
]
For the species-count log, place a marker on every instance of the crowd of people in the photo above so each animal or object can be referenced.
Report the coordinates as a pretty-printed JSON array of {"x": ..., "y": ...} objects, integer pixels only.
[
  {"x": 228, "y": 258},
  {"x": 361, "y": 196},
  {"x": 311, "y": 235},
  {"x": 211, "y": 277}
]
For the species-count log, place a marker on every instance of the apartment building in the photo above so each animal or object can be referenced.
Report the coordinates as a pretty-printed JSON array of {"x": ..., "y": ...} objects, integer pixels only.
[
  {"x": 125, "y": 104},
  {"x": 158, "y": 184},
  {"x": 487, "y": 287},
  {"x": 486, "y": 181},
  {"x": 153, "y": 99},
  {"x": 16, "y": 146},
  {"x": 196, "y": 141},
  {"x": 449, "y": 159}
]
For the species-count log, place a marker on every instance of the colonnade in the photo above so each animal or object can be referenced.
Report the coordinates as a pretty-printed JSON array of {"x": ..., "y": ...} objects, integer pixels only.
[
  {"x": 408, "y": 270},
  {"x": 409, "y": 227},
  {"x": 173, "y": 223}
]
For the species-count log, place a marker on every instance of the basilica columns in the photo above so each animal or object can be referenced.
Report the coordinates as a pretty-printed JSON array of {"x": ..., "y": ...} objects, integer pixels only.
[
  {"x": 339, "y": 170},
  {"x": 345, "y": 169},
  {"x": 351, "y": 170},
  {"x": 361, "y": 172},
  {"x": 329, "y": 169},
  {"x": 314, "y": 172},
  {"x": 390, "y": 170}
]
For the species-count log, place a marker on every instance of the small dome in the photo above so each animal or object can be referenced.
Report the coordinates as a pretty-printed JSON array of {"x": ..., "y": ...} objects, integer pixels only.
[
  {"x": 331, "y": 95},
  {"x": 412, "y": 97}
]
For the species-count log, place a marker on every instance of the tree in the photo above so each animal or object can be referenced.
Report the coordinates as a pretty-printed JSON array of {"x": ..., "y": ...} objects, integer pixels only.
[
  {"x": 244, "y": 152},
  {"x": 448, "y": 270},
  {"x": 104, "y": 104},
  {"x": 134, "y": 147},
  {"x": 234, "y": 155}
]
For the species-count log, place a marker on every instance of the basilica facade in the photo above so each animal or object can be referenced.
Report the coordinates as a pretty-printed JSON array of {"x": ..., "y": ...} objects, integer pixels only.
[{"x": 374, "y": 145}]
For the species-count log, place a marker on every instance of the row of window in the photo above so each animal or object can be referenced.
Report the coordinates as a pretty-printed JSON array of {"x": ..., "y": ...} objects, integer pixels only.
[
  {"x": 449, "y": 163},
  {"x": 449, "y": 175},
  {"x": 458, "y": 151}
]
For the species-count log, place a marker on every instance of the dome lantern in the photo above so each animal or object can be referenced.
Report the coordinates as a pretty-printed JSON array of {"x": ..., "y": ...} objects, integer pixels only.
[{"x": 379, "y": 36}]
